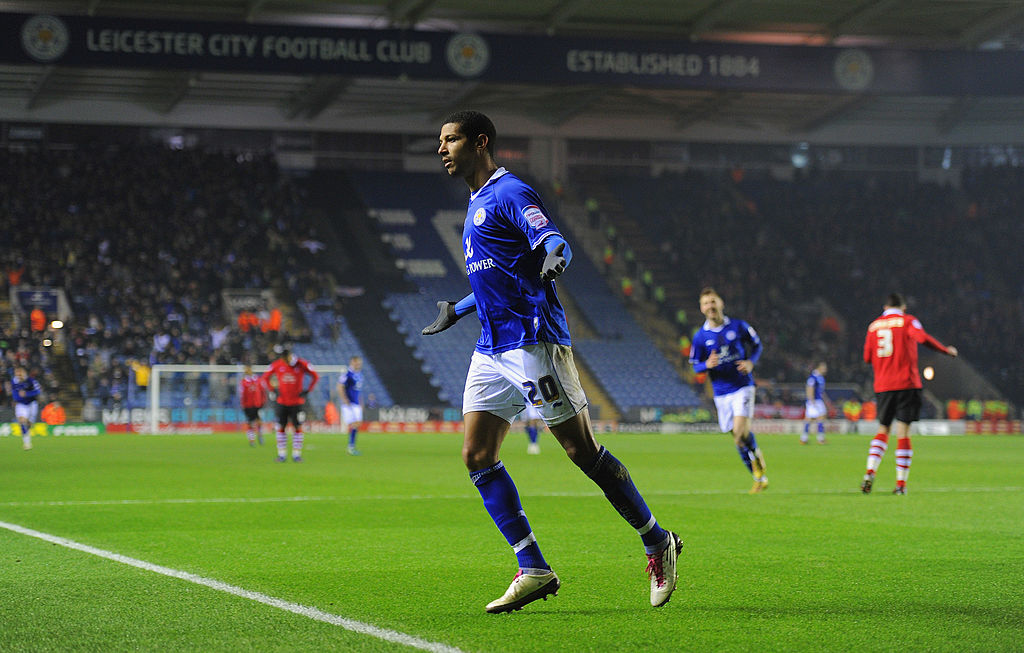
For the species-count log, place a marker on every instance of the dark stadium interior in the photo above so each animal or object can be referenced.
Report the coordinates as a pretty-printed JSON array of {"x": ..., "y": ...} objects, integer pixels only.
[{"x": 146, "y": 193}]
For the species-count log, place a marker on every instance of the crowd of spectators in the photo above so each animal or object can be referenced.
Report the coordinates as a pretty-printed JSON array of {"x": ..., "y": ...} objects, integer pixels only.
[
  {"x": 809, "y": 261},
  {"x": 143, "y": 239}
]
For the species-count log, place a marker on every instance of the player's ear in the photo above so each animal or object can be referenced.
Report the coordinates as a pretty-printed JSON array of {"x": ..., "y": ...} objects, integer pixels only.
[{"x": 481, "y": 141}]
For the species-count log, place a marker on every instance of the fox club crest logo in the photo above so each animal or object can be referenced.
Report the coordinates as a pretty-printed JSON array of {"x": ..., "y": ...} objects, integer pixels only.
[
  {"x": 479, "y": 217},
  {"x": 534, "y": 216},
  {"x": 467, "y": 54},
  {"x": 45, "y": 38},
  {"x": 854, "y": 70},
  {"x": 730, "y": 335}
]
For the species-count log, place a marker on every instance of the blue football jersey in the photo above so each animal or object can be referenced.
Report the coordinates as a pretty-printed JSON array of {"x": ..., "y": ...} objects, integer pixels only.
[
  {"x": 25, "y": 392},
  {"x": 734, "y": 341},
  {"x": 818, "y": 381},
  {"x": 506, "y": 225},
  {"x": 353, "y": 385}
]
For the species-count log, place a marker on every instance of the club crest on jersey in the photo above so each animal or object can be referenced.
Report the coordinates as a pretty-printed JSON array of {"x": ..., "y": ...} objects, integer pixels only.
[
  {"x": 479, "y": 217},
  {"x": 534, "y": 216},
  {"x": 730, "y": 335}
]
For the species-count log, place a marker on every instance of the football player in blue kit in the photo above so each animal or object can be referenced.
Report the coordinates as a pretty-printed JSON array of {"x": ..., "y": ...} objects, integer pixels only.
[
  {"x": 815, "y": 410},
  {"x": 513, "y": 253},
  {"x": 25, "y": 391},
  {"x": 727, "y": 349}
]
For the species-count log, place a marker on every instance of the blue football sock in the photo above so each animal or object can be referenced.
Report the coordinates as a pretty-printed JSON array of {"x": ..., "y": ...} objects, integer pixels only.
[
  {"x": 821, "y": 427},
  {"x": 531, "y": 432},
  {"x": 352, "y": 437},
  {"x": 751, "y": 441},
  {"x": 502, "y": 502},
  {"x": 745, "y": 454},
  {"x": 807, "y": 427},
  {"x": 613, "y": 478}
]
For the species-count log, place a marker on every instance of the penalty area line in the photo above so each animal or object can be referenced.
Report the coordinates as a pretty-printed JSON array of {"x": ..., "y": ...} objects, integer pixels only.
[{"x": 288, "y": 606}]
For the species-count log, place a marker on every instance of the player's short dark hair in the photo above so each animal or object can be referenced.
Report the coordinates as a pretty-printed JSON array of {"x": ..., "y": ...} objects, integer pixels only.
[
  {"x": 472, "y": 124},
  {"x": 708, "y": 290},
  {"x": 895, "y": 300}
]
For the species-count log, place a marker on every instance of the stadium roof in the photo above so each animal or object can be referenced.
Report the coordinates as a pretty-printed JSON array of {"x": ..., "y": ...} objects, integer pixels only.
[{"x": 41, "y": 92}]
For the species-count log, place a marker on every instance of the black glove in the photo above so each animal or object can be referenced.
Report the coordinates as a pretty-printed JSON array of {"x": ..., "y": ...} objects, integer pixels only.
[
  {"x": 554, "y": 263},
  {"x": 304, "y": 393},
  {"x": 445, "y": 318}
]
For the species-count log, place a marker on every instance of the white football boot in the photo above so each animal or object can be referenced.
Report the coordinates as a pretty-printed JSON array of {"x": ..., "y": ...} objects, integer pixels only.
[
  {"x": 525, "y": 588},
  {"x": 661, "y": 567}
]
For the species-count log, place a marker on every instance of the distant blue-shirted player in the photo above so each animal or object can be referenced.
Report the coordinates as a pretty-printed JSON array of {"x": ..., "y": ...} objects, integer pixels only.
[
  {"x": 25, "y": 390},
  {"x": 350, "y": 390},
  {"x": 815, "y": 409},
  {"x": 727, "y": 350},
  {"x": 513, "y": 253}
]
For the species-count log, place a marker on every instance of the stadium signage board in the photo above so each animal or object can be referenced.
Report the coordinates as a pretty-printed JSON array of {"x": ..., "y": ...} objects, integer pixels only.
[{"x": 124, "y": 42}]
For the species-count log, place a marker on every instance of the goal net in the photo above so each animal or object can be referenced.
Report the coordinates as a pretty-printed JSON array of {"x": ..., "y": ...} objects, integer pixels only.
[{"x": 189, "y": 398}]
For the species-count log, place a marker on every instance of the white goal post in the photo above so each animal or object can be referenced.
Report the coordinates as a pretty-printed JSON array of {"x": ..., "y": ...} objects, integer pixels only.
[{"x": 199, "y": 385}]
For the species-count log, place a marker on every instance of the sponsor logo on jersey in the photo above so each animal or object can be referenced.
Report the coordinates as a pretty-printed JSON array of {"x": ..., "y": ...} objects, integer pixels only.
[
  {"x": 479, "y": 216},
  {"x": 534, "y": 216}
]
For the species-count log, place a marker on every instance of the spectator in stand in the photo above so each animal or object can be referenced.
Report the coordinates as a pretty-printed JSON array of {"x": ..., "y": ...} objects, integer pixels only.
[
  {"x": 54, "y": 413},
  {"x": 37, "y": 320}
]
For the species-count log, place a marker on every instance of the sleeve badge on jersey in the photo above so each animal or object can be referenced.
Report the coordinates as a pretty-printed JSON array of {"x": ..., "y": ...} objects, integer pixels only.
[{"x": 535, "y": 216}]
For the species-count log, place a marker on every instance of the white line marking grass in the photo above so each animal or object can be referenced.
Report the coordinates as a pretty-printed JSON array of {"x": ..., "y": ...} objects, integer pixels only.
[
  {"x": 303, "y": 610},
  {"x": 853, "y": 489}
]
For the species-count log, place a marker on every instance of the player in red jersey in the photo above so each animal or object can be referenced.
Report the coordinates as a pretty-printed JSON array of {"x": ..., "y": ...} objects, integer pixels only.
[
  {"x": 253, "y": 395},
  {"x": 891, "y": 348},
  {"x": 289, "y": 373}
]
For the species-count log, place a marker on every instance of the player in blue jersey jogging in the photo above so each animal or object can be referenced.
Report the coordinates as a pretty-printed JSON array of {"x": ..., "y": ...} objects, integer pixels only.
[
  {"x": 350, "y": 390},
  {"x": 815, "y": 410},
  {"x": 727, "y": 350},
  {"x": 532, "y": 419},
  {"x": 513, "y": 253},
  {"x": 25, "y": 390}
]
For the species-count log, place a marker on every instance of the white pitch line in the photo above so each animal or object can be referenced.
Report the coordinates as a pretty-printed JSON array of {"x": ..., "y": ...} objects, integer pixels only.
[
  {"x": 451, "y": 497},
  {"x": 296, "y": 608}
]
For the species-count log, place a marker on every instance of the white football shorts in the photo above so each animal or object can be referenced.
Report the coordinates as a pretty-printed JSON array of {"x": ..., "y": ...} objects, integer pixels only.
[
  {"x": 26, "y": 412},
  {"x": 814, "y": 409},
  {"x": 543, "y": 375},
  {"x": 739, "y": 403},
  {"x": 351, "y": 413}
]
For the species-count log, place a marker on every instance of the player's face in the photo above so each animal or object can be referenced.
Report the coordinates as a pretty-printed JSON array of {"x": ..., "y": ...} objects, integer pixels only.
[
  {"x": 457, "y": 153},
  {"x": 19, "y": 374},
  {"x": 712, "y": 306},
  {"x": 356, "y": 364}
]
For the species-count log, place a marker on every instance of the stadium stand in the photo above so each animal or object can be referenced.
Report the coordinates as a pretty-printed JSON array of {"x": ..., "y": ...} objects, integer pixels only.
[
  {"x": 143, "y": 239},
  {"x": 423, "y": 224},
  {"x": 803, "y": 262}
]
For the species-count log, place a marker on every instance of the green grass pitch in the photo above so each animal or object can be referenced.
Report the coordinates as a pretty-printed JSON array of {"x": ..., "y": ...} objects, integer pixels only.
[{"x": 398, "y": 539}]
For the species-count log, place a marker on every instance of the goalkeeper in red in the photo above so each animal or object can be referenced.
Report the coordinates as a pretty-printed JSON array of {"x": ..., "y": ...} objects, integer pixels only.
[
  {"x": 891, "y": 348},
  {"x": 287, "y": 377}
]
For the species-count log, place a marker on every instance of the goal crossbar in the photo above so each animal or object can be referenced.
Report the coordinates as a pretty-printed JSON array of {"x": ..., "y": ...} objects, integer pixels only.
[{"x": 153, "y": 390}]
